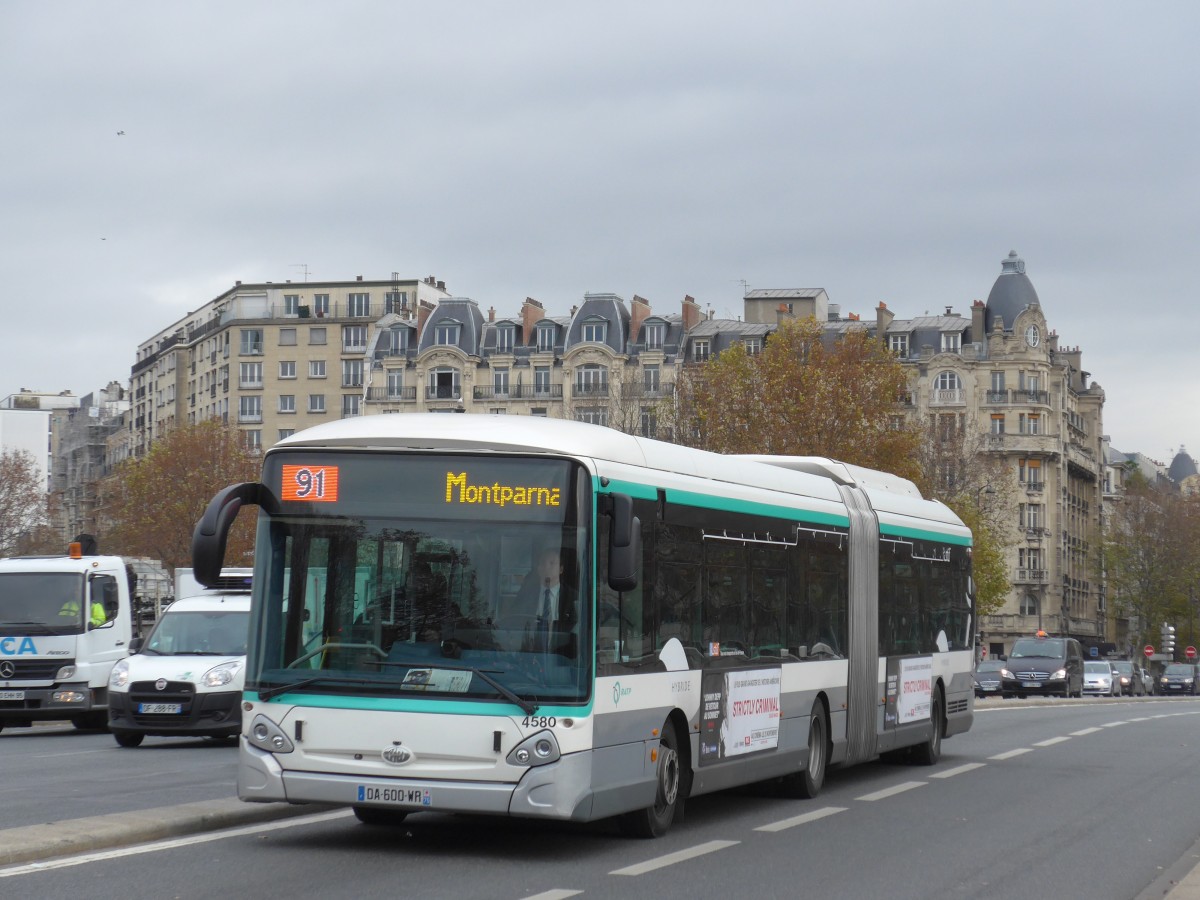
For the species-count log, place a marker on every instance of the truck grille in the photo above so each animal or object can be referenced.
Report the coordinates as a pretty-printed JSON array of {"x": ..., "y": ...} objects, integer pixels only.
[{"x": 38, "y": 669}]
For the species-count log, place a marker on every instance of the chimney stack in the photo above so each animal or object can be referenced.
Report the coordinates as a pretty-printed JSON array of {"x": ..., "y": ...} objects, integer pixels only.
[
  {"x": 692, "y": 315},
  {"x": 639, "y": 312},
  {"x": 532, "y": 312}
]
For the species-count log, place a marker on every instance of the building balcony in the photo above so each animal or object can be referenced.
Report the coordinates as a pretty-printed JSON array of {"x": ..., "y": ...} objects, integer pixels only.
[
  {"x": 443, "y": 392},
  {"x": 391, "y": 395},
  {"x": 1033, "y": 444},
  {"x": 954, "y": 397},
  {"x": 590, "y": 390},
  {"x": 1031, "y": 576},
  {"x": 519, "y": 392},
  {"x": 250, "y": 418}
]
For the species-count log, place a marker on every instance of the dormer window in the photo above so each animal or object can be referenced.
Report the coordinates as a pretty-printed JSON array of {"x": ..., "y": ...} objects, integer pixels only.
[
  {"x": 505, "y": 338},
  {"x": 594, "y": 331},
  {"x": 951, "y": 341},
  {"x": 700, "y": 350},
  {"x": 656, "y": 333},
  {"x": 898, "y": 344},
  {"x": 545, "y": 339},
  {"x": 446, "y": 334}
]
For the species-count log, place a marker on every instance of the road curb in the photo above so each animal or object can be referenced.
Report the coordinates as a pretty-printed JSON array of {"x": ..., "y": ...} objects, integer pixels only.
[{"x": 33, "y": 843}]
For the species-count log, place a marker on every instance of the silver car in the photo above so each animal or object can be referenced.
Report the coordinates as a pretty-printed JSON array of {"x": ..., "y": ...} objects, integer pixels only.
[{"x": 1100, "y": 679}]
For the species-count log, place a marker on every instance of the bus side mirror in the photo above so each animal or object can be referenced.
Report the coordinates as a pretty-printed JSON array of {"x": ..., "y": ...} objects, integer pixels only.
[
  {"x": 212, "y": 531},
  {"x": 624, "y": 543}
]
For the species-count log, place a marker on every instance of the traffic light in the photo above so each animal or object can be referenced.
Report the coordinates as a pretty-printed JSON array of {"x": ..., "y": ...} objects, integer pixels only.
[{"x": 1168, "y": 640}]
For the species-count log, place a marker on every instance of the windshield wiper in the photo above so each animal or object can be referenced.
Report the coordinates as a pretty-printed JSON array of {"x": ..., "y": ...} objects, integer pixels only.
[
  {"x": 527, "y": 706},
  {"x": 268, "y": 693}
]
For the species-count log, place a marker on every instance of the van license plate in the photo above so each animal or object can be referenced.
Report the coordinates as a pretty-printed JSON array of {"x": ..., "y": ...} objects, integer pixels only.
[
  {"x": 154, "y": 709},
  {"x": 12, "y": 695}
]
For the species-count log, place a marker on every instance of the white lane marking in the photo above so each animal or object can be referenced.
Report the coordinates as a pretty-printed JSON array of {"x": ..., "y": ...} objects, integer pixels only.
[
  {"x": 892, "y": 791},
  {"x": 1141, "y": 719},
  {"x": 1114, "y": 724},
  {"x": 1051, "y": 742},
  {"x": 950, "y": 773},
  {"x": 1009, "y": 754},
  {"x": 1084, "y": 731},
  {"x": 171, "y": 844},
  {"x": 801, "y": 820},
  {"x": 554, "y": 894},
  {"x": 671, "y": 859}
]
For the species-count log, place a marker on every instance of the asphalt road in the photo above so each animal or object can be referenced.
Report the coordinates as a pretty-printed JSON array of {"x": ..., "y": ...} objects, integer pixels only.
[{"x": 1090, "y": 799}]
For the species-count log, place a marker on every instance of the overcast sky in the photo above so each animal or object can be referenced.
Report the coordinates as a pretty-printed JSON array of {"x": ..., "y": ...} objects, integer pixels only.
[{"x": 154, "y": 153}]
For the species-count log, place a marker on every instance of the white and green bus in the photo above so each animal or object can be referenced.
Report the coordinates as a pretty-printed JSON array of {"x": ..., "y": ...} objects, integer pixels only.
[{"x": 716, "y": 620}]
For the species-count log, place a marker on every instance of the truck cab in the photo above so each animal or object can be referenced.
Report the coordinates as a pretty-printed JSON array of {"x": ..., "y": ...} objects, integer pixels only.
[{"x": 64, "y": 623}]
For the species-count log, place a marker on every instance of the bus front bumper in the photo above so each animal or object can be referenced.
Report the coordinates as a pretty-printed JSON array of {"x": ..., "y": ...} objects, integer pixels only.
[{"x": 560, "y": 790}]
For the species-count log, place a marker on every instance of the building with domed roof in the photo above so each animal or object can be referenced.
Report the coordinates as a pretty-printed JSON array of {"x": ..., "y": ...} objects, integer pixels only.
[
  {"x": 1183, "y": 472},
  {"x": 1026, "y": 407}
]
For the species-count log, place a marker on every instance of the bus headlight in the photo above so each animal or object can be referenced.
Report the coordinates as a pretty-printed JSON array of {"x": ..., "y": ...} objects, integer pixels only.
[
  {"x": 119, "y": 677},
  {"x": 222, "y": 674},
  {"x": 266, "y": 735},
  {"x": 537, "y": 750}
]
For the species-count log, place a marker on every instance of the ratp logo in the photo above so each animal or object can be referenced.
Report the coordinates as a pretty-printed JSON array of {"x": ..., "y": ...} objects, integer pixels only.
[{"x": 619, "y": 692}]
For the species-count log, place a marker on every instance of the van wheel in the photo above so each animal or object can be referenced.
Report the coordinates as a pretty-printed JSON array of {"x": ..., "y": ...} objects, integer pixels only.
[
  {"x": 808, "y": 784},
  {"x": 370, "y": 815},
  {"x": 653, "y": 821},
  {"x": 928, "y": 753},
  {"x": 128, "y": 738}
]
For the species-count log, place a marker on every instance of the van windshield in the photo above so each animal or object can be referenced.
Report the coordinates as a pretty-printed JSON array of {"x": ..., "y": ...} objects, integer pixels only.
[
  {"x": 1047, "y": 648},
  {"x": 180, "y": 633}
]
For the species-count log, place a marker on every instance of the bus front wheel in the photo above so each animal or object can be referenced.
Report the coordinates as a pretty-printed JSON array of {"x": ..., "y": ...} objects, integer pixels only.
[{"x": 654, "y": 821}]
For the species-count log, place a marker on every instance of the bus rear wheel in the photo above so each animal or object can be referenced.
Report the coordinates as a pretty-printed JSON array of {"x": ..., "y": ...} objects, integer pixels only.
[
  {"x": 370, "y": 815},
  {"x": 808, "y": 784},
  {"x": 928, "y": 753},
  {"x": 655, "y": 820}
]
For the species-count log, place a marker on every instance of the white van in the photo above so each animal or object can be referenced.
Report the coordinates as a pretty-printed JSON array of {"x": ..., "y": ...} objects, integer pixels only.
[{"x": 186, "y": 678}]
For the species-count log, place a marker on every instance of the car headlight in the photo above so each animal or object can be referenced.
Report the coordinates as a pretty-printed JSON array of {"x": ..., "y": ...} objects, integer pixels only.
[
  {"x": 119, "y": 676},
  {"x": 222, "y": 674},
  {"x": 1061, "y": 673}
]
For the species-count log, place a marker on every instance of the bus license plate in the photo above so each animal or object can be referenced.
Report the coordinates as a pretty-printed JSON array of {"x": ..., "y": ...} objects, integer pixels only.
[
  {"x": 154, "y": 709},
  {"x": 405, "y": 796},
  {"x": 12, "y": 695}
]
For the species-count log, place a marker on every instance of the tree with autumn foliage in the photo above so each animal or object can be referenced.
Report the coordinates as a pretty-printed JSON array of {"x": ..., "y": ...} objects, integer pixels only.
[
  {"x": 22, "y": 501},
  {"x": 152, "y": 503},
  {"x": 802, "y": 396},
  {"x": 956, "y": 468}
]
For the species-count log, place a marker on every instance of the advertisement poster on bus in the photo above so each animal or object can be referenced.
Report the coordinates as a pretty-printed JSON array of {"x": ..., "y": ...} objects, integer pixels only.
[
  {"x": 909, "y": 690},
  {"x": 739, "y": 714}
]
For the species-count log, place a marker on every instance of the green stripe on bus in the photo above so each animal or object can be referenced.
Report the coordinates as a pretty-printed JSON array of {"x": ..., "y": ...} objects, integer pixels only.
[
  {"x": 751, "y": 507},
  {"x": 436, "y": 707},
  {"x": 726, "y": 504},
  {"x": 922, "y": 534}
]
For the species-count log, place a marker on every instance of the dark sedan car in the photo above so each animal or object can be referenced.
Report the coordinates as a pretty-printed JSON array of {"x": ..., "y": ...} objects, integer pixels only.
[
  {"x": 1130, "y": 677},
  {"x": 1178, "y": 678},
  {"x": 988, "y": 675}
]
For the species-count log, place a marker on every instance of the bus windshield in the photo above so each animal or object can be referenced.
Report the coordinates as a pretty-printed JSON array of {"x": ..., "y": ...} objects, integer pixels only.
[{"x": 402, "y": 575}]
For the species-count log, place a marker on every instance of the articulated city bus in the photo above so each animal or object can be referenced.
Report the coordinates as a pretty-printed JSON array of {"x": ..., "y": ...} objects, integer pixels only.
[{"x": 534, "y": 617}]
